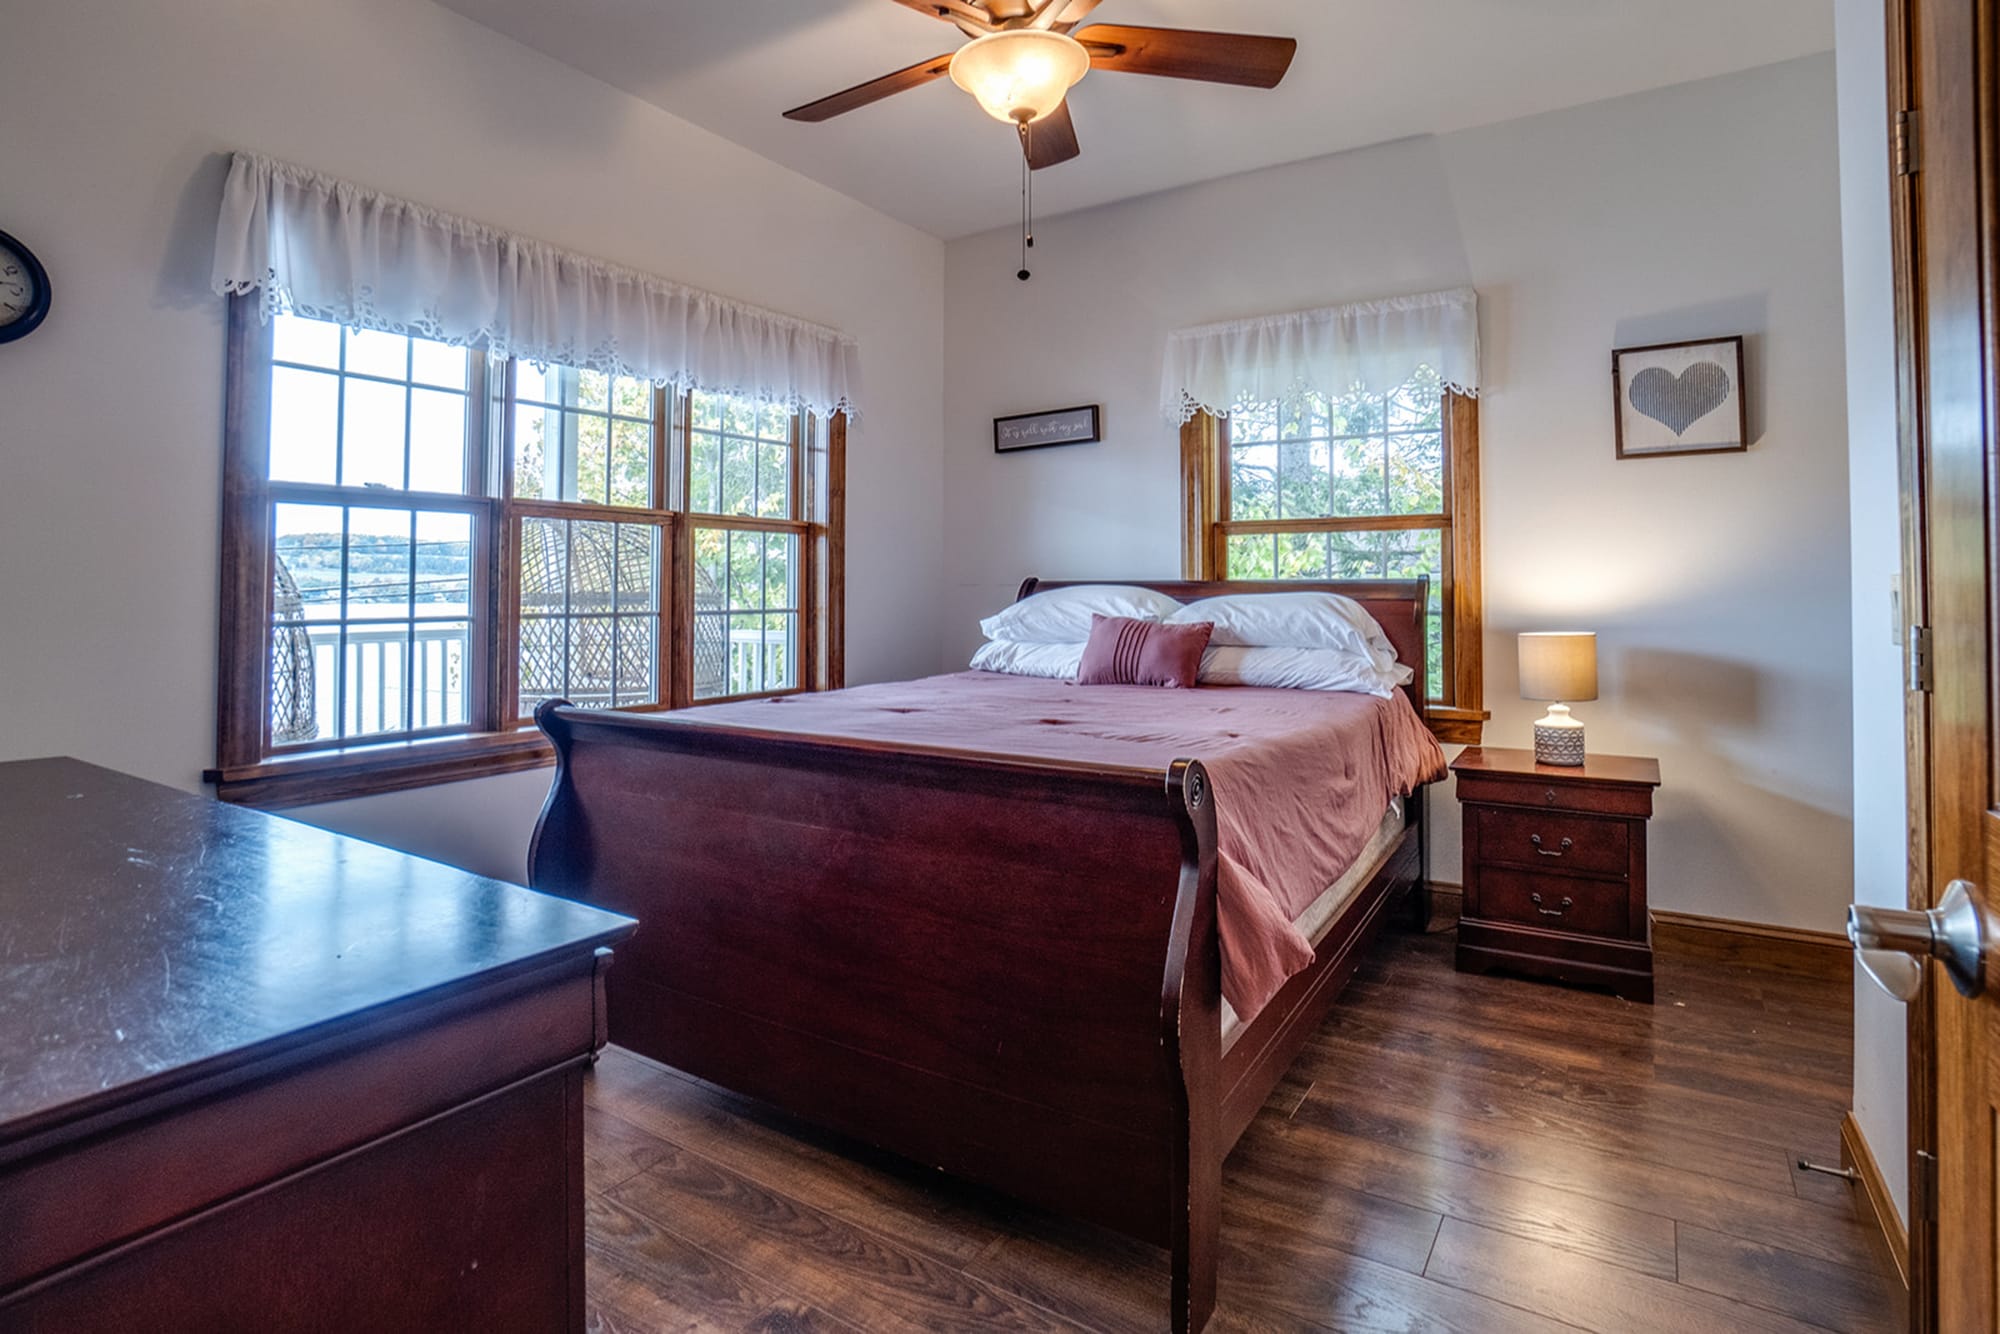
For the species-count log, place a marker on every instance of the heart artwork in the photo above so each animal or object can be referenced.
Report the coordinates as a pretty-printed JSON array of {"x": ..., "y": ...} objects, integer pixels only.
[{"x": 1679, "y": 401}]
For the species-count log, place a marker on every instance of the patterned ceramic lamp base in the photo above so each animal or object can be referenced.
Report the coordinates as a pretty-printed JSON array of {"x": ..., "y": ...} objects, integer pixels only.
[
  {"x": 1559, "y": 738},
  {"x": 1559, "y": 745}
]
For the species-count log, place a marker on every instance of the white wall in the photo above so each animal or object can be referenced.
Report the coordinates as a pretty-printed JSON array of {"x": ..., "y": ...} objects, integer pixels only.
[
  {"x": 1719, "y": 585},
  {"x": 114, "y": 122},
  {"x": 1880, "y": 821}
]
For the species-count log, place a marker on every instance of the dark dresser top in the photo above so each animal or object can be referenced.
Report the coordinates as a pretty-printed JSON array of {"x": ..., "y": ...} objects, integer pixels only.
[
  {"x": 149, "y": 936},
  {"x": 1501, "y": 762}
]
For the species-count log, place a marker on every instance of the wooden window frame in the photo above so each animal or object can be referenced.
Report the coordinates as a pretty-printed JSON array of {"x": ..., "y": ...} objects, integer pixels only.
[
  {"x": 1456, "y": 718},
  {"x": 495, "y": 740}
]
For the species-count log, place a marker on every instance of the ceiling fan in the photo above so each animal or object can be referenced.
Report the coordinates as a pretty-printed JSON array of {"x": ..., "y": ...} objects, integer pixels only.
[{"x": 1025, "y": 55}]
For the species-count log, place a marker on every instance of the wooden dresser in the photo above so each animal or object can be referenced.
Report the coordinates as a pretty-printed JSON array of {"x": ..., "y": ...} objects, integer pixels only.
[
  {"x": 256, "y": 1076},
  {"x": 1555, "y": 868}
]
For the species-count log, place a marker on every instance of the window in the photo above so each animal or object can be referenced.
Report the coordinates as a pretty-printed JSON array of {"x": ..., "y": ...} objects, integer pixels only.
[
  {"x": 1362, "y": 486},
  {"x": 422, "y": 543}
]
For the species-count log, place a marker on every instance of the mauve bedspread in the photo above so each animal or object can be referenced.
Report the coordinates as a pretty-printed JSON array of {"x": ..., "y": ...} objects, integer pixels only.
[{"x": 1301, "y": 777}]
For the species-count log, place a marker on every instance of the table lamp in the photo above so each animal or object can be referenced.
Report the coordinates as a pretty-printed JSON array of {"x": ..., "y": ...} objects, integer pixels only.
[{"x": 1559, "y": 665}]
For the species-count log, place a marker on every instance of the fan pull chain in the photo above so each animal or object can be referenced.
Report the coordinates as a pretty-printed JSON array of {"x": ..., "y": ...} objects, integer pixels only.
[{"x": 1027, "y": 199}]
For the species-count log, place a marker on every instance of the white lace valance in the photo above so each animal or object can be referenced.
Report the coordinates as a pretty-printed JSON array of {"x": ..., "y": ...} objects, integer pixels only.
[
  {"x": 332, "y": 250},
  {"x": 1374, "y": 345}
]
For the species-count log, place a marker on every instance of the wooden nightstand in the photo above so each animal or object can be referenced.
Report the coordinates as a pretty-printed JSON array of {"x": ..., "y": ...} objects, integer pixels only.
[{"x": 1555, "y": 868}]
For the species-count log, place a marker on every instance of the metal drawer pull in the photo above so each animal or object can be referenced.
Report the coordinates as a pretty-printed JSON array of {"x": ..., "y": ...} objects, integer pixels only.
[
  {"x": 1567, "y": 904},
  {"x": 1536, "y": 839}
]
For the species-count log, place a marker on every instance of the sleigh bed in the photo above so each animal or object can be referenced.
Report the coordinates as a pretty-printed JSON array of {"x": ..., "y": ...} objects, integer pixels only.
[{"x": 1003, "y": 966}]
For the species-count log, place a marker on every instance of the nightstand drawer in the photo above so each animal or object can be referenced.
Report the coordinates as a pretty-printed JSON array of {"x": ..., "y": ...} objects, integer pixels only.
[
  {"x": 1541, "y": 790},
  {"x": 1552, "y": 841},
  {"x": 1554, "y": 902}
]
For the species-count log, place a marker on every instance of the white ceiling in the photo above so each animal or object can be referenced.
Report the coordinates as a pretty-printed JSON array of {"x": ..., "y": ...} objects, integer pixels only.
[{"x": 1367, "y": 71}]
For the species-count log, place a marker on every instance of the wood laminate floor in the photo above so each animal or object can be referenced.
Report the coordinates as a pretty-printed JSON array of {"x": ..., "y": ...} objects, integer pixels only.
[{"x": 1450, "y": 1153}]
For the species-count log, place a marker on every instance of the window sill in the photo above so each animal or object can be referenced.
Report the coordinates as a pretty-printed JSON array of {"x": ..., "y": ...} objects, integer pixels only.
[
  {"x": 363, "y": 771},
  {"x": 1456, "y": 727}
]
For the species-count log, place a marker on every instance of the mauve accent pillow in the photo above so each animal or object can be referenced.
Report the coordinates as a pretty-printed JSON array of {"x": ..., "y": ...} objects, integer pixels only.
[{"x": 1126, "y": 652}]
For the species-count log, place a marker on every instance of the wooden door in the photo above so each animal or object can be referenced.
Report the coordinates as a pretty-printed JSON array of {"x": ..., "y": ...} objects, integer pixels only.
[{"x": 1948, "y": 195}]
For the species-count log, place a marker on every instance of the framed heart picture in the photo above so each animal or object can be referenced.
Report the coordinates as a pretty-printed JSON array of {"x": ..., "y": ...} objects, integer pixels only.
[{"x": 1680, "y": 398}]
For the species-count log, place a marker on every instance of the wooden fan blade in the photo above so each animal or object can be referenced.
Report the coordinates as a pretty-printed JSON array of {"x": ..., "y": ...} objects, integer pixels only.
[
  {"x": 1052, "y": 139},
  {"x": 861, "y": 94},
  {"x": 1183, "y": 53},
  {"x": 952, "y": 11}
]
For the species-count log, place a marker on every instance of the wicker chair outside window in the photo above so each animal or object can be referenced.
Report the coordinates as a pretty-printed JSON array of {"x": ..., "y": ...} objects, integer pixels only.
[
  {"x": 566, "y": 576},
  {"x": 293, "y": 687}
]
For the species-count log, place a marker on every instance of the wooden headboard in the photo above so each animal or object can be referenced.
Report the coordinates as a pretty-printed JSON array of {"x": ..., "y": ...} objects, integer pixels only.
[{"x": 1399, "y": 606}]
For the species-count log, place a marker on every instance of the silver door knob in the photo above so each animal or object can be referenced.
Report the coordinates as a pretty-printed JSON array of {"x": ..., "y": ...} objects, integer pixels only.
[{"x": 1893, "y": 942}]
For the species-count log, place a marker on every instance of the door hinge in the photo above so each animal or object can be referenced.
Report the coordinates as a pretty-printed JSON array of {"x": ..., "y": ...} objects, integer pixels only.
[
  {"x": 1924, "y": 1188},
  {"x": 1921, "y": 677},
  {"x": 1906, "y": 146}
]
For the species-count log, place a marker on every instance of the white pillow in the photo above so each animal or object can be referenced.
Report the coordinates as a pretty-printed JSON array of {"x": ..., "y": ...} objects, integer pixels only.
[
  {"x": 1062, "y": 615},
  {"x": 1299, "y": 669},
  {"x": 1060, "y": 661},
  {"x": 1291, "y": 620}
]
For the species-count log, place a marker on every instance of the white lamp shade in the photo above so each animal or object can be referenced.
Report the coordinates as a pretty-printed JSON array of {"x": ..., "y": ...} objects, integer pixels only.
[
  {"x": 1559, "y": 665},
  {"x": 1021, "y": 75}
]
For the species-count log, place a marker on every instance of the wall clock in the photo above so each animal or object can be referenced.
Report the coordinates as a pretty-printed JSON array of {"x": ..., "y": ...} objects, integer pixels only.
[{"x": 24, "y": 290}]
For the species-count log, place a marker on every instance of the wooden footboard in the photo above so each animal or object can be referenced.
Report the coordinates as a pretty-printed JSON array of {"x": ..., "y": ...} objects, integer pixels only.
[{"x": 1006, "y": 970}]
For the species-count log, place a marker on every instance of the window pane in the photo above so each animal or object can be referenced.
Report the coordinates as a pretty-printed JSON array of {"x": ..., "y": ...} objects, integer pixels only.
[
  {"x": 537, "y": 450},
  {"x": 638, "y": 560},
  {"x": 1416, "y": 473},
  {"x": 444, "y": 565},
  {"x": 632, "y": 398},
  {"x": 437, "y": 441},
  {"x": 438, "y": 364},
  {"x": 1305, "y": 482},
  {"x": 1356, "y": 414},
  {"x": 746, "y": 621},
  {"x": 1350, "y": 457},
  {"x": 1253, "y": 480},
  {"x": 591, "y": 548},
  {"x": 589, "y": 612},
  {"x": 739, "y": 475},
  {"x": 372, "y": 353},
  {"x": 378, "y": 564},
  {"x": 371, "y": 621},
  {"x": 1401, "y": 553},
  {"x": 578, "y": 435},
  {"x": 440, "y": 659},
  {"x": 1360, "y": 477},
  {"x": 544, "y": 566},
  {"x": 1252, "y": 556},
  {"x": 774, "y": 480},
  {"x": 741, "y": 458},
  {"x": 593, "y": 449},
  {"x": 442, "y": 647},
  {"x": 373, "y": 673},
  {"x": 631, "y": 463},
  {"x": 308, "y": 342},
  {"x": 358, "y": 422},
  {"x": 704, "y": 472},
  {"x": 638, "y": 661},
  {"x": 305, "y": 424},
  {"x": 308, "y": 541},
  {"x": 538, "y": 384},
  {"x": 371, "y": 452}
]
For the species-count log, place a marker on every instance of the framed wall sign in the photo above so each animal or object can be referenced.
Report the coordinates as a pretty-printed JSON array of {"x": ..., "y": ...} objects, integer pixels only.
[
  {"x": 1039, "y": 430},
  {"x": 1681, "y": 398}
]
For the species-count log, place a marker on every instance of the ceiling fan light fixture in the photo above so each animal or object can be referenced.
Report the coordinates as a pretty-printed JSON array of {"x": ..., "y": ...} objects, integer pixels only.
[{"x": 1021, "y": 75}]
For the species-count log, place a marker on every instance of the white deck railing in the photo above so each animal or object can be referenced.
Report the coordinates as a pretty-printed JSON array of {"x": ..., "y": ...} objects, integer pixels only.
[{"x": 380, "y": 660}]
